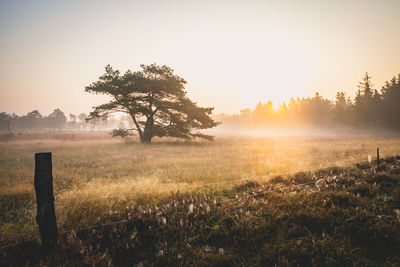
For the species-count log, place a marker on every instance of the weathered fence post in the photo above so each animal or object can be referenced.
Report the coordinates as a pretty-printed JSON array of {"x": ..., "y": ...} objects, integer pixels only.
[
  {"x": 45, "y": 218},
  {"x": 377, "y": 157}
]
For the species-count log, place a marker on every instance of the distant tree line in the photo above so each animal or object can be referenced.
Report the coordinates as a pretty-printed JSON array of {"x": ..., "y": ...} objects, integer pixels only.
[
  {"x": 369, "y": 109},
  {"x": 56, "y": 120}
]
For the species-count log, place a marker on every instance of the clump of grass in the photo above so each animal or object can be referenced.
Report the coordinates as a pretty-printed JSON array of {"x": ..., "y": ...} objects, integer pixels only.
[{"x": 279, "y": 179}]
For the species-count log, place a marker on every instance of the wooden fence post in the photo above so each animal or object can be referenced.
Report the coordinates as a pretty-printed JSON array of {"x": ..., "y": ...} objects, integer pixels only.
[
  {"x": 45, "y": 218},
  {"x": 377, "y": 156}
]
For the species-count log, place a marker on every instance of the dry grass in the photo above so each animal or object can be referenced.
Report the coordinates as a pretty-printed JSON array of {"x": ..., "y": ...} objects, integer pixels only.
[
  {"x": 332, "y": 217},
  {"x": 95, "y": 174}
]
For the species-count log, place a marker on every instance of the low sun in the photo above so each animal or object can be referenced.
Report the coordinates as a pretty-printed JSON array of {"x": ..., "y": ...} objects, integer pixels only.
[{"x": 275, "y": 106}]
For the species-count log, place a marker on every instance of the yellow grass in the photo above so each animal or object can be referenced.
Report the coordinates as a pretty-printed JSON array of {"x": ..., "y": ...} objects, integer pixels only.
[{"x": 94, "y": 173}]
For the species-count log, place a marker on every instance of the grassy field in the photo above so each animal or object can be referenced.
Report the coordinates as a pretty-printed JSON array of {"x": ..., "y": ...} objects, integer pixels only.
[{"x": 100, "y": 180}]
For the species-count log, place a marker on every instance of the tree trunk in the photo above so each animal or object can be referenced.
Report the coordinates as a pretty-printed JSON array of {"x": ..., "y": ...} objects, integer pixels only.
[
  {"x": 147, "y": 131},
  {"x": 146, "y": 137}
]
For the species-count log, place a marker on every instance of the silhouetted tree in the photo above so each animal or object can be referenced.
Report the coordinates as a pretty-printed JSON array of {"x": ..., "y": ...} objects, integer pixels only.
[
  {"x": 72, "y": 121},
  {"x": 317, "y": 110},
  {"x": 34, "y": 120},
  {"x": 391, "y": 103},
  {"x": 82, "y": 120},
  {"x": 363, "y": 103},
  {"x": 341, "y": 109},
  {"x": 56, "y": 119},
  {"x": 155, "y": 99},
  {"x": 5, "y": 121}
]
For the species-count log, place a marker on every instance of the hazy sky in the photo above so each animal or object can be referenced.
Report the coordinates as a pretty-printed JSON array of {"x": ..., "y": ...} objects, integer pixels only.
[{"x": 232, "y": 53}]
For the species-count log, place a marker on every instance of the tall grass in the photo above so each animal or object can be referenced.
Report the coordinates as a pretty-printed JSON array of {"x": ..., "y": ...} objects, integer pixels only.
[{"x": 95, "y": 174}]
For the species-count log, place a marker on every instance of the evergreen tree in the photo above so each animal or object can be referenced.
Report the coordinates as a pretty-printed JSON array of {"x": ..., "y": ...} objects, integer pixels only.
[
  {"x": 363, "y": 103},
  {"x": 155, "y": 99},
  {"x": 340, "y": 108}
]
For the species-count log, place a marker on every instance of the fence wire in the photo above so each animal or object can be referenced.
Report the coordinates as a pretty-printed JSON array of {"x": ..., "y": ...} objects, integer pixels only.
[
  {"x": 266, "y": 163},
  {"x": 347, "y": 163},
  {"x": 126, "y": 220},
  {"x": 252, "y": 164},
  {"x": 244, "y": 161}
]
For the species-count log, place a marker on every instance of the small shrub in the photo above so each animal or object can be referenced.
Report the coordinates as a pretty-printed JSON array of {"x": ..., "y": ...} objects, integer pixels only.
[
  {"x": 278, "y": 180},
  {"x": 120, "y": 132}
]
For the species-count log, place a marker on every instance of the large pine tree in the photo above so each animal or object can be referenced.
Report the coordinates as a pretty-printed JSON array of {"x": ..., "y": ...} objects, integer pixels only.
[{"x": 155, "y": 99}]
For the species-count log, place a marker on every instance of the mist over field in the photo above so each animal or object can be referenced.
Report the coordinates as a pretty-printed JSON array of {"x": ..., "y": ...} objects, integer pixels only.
[
  {"x": 370, "y": 113},
  {"x": 152, "y": 178},
  {"x": 200, "y": 133}
]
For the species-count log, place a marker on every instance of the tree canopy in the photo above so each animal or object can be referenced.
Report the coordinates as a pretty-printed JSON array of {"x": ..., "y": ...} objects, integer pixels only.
[{"x": 155, "y": 98}]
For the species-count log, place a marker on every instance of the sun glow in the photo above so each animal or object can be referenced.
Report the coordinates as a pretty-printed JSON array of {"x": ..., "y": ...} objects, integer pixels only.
[
  {"x": 239, "y": 53},
  {"x": 275, "y": 106}
]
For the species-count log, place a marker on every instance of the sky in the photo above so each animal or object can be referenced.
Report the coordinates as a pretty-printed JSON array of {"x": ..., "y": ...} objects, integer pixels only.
[{"x": 232, "y": 53}]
